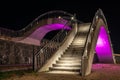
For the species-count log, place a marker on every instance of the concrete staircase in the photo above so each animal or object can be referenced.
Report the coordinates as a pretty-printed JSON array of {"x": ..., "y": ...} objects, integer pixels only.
[{"x": 70, "y": 60}]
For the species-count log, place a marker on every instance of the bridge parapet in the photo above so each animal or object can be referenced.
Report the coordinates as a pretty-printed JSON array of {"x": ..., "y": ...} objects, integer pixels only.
[
  {"x": 99, "y": 21},
  {"x": 46, "y": 18}
]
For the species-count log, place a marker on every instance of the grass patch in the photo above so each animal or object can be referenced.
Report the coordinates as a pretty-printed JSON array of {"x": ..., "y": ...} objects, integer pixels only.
[{"x": 4, "y": 75}]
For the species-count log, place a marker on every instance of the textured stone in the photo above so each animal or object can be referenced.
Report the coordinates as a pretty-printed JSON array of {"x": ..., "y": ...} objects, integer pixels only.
[{"x": 12, "y": 53}]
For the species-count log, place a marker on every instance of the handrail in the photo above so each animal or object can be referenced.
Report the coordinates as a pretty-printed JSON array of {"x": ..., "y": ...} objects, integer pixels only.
[
  {"x": 49, "y": 48},
  {"x": 45, "y": 14},
  {"x": 85, "y": 57},
  {"x": 35, "y": 21},
  {"x": 57, "y": 34},
  {"x": 85, "y": 52},
  {"x": 92, "y": 27}
]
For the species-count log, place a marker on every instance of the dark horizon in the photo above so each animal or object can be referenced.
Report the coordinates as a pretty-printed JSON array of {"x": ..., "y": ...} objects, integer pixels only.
[{"x": 19, "y": 14}]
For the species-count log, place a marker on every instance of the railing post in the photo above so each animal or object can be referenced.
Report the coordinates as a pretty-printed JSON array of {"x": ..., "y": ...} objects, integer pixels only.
[
  {"x": 84, "y": 65},
  {"x": 35, "y": 63},
  {"x": 33, "y": 58}
]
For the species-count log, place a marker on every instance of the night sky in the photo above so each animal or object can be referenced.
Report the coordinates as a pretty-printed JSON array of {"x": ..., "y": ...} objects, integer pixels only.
[{"x": 18, "y": 14}]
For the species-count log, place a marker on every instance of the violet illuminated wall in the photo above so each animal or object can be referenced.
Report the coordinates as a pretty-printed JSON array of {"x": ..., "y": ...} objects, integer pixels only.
[
  {"x": 103, "y": 48},
  {"x": 38, "y": 34}
]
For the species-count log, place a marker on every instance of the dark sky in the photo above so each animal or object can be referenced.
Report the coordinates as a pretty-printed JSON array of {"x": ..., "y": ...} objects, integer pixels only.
[{"x": 17, "y": 14}]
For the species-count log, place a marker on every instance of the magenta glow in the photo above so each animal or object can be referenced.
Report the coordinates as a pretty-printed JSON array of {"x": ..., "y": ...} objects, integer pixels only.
[
  {"x": 103, "y": 48},
  {"x": 39, "y": 33}
]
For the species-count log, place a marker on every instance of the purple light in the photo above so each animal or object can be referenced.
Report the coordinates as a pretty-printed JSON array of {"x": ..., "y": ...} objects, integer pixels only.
[
  {"x": 58, "y": 26},
  {"x": 103, "y": 48},
  {"x": 39, "y": 33}
]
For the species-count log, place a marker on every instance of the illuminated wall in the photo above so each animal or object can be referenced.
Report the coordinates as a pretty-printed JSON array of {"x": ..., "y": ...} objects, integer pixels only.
[
  {"x": 103, "y": 48},
  {"x": 38, "y": 34}
]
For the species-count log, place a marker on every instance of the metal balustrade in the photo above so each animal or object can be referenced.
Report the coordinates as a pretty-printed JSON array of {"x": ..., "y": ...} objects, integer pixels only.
[
  {"x": 99, "y": 14},
  {"x": 49, "y": 49},
  {"x": 50, "y": 14}
]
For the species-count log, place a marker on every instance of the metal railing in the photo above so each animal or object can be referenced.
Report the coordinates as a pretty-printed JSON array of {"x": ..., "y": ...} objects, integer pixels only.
[
  {"x": 98, "y": 14},
  {"x": 85, "y": 57},
  {"x": 50, "y": 14},
  {"x": 49, "y": 49}
]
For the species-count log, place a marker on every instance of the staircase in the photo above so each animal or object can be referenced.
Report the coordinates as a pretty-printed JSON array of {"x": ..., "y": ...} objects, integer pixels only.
[{"x": 70, "y": 60}]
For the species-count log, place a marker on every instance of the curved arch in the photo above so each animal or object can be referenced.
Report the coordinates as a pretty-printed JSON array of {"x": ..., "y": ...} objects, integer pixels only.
[
  {"x": 43, "y": 19},
  {"x": 36, "y": 36},
  {"x": 47, "y": 18},
  {"x": 103, "y": 48},
  {"x": 98, "y": 29}
]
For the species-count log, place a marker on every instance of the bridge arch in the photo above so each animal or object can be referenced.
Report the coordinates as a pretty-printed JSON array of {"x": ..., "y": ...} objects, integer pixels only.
[
  {"x": 103, "y": 46},
  {"x": 36, "y": 30},
  {"x": 99, "y": 43},
  {"x": 96, "y": 41}
]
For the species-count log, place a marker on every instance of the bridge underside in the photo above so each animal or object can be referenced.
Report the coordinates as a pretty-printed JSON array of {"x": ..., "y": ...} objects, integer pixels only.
[{"x": 36, "y": 37}]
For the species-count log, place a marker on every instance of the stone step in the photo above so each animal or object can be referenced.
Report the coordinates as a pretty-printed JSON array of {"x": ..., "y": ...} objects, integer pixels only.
[
  {"x": 72, "y": 52},
  {"x": 67, "y": 65},
  {"x": 63, "y": 72},
  {"x": 70, "y": 55},
  {"x": 75, "y": 46},
  {"x": 70, "y": 58},
  {"x": 74, "y": 69},
  {"x": 69, "y": 61}
]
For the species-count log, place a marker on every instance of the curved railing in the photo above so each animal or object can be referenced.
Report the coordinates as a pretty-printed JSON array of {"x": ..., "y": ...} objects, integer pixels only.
[
  {"x": 48, "y": 50},
  {"x": 99, "y": 14},
  {"x": 50, "y": 14}
]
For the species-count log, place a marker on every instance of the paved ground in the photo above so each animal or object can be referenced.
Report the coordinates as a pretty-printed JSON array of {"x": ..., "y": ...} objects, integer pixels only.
[
  {"x": 99, "y": 72},
  {"x": 4, "y": 68}
]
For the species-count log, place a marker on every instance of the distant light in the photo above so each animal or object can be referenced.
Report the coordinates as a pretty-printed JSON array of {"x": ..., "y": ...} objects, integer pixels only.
[
  {"x": 92, "y": 28},
  {"x": 96, "y": 17},
  {"x": 72, "y": 18},
  {"x": 59, "y": 17}
]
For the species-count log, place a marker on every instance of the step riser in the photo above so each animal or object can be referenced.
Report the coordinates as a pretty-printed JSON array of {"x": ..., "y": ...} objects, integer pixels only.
[
  {"x": 71, "y": 50},
  {"x": 77, "y": 54},
  {"x": 72, "y": 59},
  {"x": 71, "y": 54},
  {"x": 74, "y": 49},
  {"x": 73, "y": 70},
  {"x": 75, "y": 46},
  {"x": 74, "y": 56},
  {"x": 61, "y": 65},
  {"x": 64, "y": 72},
  {"x": 70, "y": 62}
]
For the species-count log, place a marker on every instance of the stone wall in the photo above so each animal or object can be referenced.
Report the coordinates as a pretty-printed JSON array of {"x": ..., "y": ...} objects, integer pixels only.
[
  {"x": 12, "y": 53},
  {"x": 117, "y": 58}
]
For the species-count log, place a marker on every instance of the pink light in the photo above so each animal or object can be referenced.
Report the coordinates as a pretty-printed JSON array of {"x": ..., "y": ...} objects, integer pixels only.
[
  {"x": 39, "y": 33},
  {"x": 103, "y": 48},
  {"x": 58, "y": 26},
  {"x": 100, "y": 42}
]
